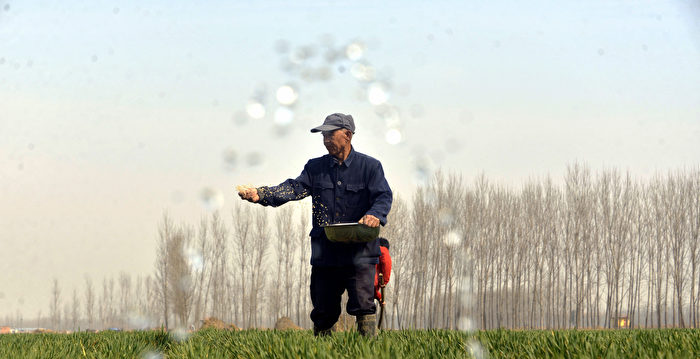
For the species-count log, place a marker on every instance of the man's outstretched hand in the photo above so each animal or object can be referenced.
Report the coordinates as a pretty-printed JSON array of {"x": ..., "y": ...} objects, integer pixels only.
[
  {"x": 248, "y": 193},
  {"x": 369, "y": 221}
]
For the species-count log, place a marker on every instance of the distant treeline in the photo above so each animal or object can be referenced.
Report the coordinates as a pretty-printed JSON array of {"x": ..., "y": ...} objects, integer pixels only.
[{"x": 598, "y": 250}]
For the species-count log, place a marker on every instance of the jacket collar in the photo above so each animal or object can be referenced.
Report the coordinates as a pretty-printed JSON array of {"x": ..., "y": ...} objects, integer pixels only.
[{"x": 348, "y": 161}]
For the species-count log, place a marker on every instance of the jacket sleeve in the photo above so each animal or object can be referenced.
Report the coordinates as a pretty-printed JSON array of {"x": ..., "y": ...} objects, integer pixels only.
[
  {"x": 289, "y": 190},
  {"x": 379, "y": 194}
]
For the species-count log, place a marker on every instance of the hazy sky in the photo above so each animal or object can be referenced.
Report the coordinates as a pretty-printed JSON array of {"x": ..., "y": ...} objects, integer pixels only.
[{"x": 112, "y": 113}]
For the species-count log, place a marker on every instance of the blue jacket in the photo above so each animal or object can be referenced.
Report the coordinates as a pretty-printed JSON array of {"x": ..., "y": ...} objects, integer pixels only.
[{"x": 339, "y": 193}]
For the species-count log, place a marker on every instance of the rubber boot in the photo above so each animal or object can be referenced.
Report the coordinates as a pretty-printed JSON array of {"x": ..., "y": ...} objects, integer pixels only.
[
  {"x": 321, "y": 332},
  {"x": 367, "y": 325}
]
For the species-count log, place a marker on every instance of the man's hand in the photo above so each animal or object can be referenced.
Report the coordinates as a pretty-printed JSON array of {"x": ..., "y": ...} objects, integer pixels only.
[
  {"x": 369, "y": 221},
  {"x": 248, "y": 193}
]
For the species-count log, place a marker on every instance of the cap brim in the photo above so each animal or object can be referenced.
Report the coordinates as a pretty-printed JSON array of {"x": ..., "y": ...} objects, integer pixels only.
[{"x": 325, "y": 128}]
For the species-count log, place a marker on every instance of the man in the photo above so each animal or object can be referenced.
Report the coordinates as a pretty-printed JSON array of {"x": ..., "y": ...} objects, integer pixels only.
[{"x": 345, "y": 186}]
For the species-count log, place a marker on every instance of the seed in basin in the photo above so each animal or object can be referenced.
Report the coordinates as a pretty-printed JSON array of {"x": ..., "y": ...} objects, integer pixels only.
[{"x": 350, "y": 233}]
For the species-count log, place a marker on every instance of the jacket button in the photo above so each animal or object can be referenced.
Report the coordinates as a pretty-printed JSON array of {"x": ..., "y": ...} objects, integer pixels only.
[{"x": 339, "y": 183}]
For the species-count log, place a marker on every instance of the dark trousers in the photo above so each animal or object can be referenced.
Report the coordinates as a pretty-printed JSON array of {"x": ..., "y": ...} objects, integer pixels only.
[{"x": 328, "y": 285}]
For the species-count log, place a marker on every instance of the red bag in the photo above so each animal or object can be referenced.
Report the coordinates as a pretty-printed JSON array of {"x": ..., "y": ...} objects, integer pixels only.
[{"x": 384, "y": 267}]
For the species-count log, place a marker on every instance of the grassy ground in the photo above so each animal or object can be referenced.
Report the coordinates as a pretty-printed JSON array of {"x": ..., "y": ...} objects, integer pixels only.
[{"x": 667, "y": 343}]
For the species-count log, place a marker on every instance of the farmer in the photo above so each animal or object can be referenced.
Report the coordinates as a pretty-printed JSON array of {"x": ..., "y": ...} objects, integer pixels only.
[{"x": 345, "y": 186}]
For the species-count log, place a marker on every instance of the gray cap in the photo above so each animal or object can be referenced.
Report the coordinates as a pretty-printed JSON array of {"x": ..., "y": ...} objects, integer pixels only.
[{"x": 336, "y": 121}]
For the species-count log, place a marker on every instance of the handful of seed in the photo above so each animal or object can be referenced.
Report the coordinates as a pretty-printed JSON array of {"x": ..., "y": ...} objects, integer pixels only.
[{"x": 242, "y": 189}]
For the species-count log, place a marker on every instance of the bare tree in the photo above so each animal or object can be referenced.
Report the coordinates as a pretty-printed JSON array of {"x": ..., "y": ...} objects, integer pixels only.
[
  {"x": 282, "y": 287},
  {"x": 75, "y": 311},
  {"x": 217, "y": 259},
  {"x": 180, "y": 275},
  {"x": 677, "y": 209},
  {"x": 302, "y": 241},
  {"x": 89, "y": 302},
  {"x": 55, "y": 305},
  {"x": 258, "y": 254},
  {"x": 202, "y": 270},
  {"x": 693, "y": 195},
  {"x": 242, "y": 227},
  {"x": 396, "y": 233},
  {"x": 165, "y": 231},
  {"x": 107, "y": 309},
  {"x": 125, "y": 297}
]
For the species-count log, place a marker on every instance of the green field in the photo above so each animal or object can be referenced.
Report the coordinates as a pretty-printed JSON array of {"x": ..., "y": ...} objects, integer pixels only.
[{"x": 212, "y": 343}]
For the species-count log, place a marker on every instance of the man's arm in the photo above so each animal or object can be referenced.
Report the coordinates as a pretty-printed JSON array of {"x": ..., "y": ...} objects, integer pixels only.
[
  {"x": 380, "y": 196},
  {"x": 289, "y": 190}
]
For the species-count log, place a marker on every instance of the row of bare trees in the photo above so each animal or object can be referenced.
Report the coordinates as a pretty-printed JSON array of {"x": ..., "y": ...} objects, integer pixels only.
[
  {"x": 583, "y": 253},
  {"x": 249, "y": 272},
  {"x": 586, "y": 253},
  {"x": 247, "y": 269}
]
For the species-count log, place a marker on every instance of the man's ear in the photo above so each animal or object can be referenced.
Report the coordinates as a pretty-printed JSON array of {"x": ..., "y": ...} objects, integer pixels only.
[{"x": 348, "y": 134}]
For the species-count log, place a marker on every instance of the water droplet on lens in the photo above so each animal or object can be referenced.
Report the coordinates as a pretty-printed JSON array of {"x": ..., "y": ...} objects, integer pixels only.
[
  {"x": 115, "y": 10},
  {"x": 362, "y": 72},
  {"x": 301, "y": 54},
  {"x": 331, "y": 56},
  {"x": 284, "y": 116},
  {"x": 377, "y": 93},
  {"x": 390, "y": 114},
  {"x": 287, "y": 95},
  {"x": 230, "y": 158},
  {"x": 2, "y": 60},
  {"x": 253, "y": 159},
  {"x": 452, "y": 239},
  {"x": 152, "y": 355},
  {"x": 195, "y": 259},
  {"x": 282, "y": 131},
  {"x": 255, "y": 110},
  {"x": 446, "y": 217},
  {"x": 288, "y": 66},
  {"x": 476, "y": 350},
  {"x": 464, "y": 323},
  {"x": 6, "y": 7},
  {"x": 355, "y": 51},
  {"x": 180, "y": 334},
  {"x": 138, "y": 320},
  {"x": 393, "y": 136},
  {"x": 212, "y": 199},
  {"x": 94, "y": 58},
  {"x": 185, "y": 283},
  {"x": 423, "y": 169},
  {"x": 601, "y": 52},
  {"x": 324, "y": 73}
]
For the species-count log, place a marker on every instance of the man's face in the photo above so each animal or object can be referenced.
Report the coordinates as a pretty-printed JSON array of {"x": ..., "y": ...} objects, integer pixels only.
[{"x": 336, "y": 141}]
